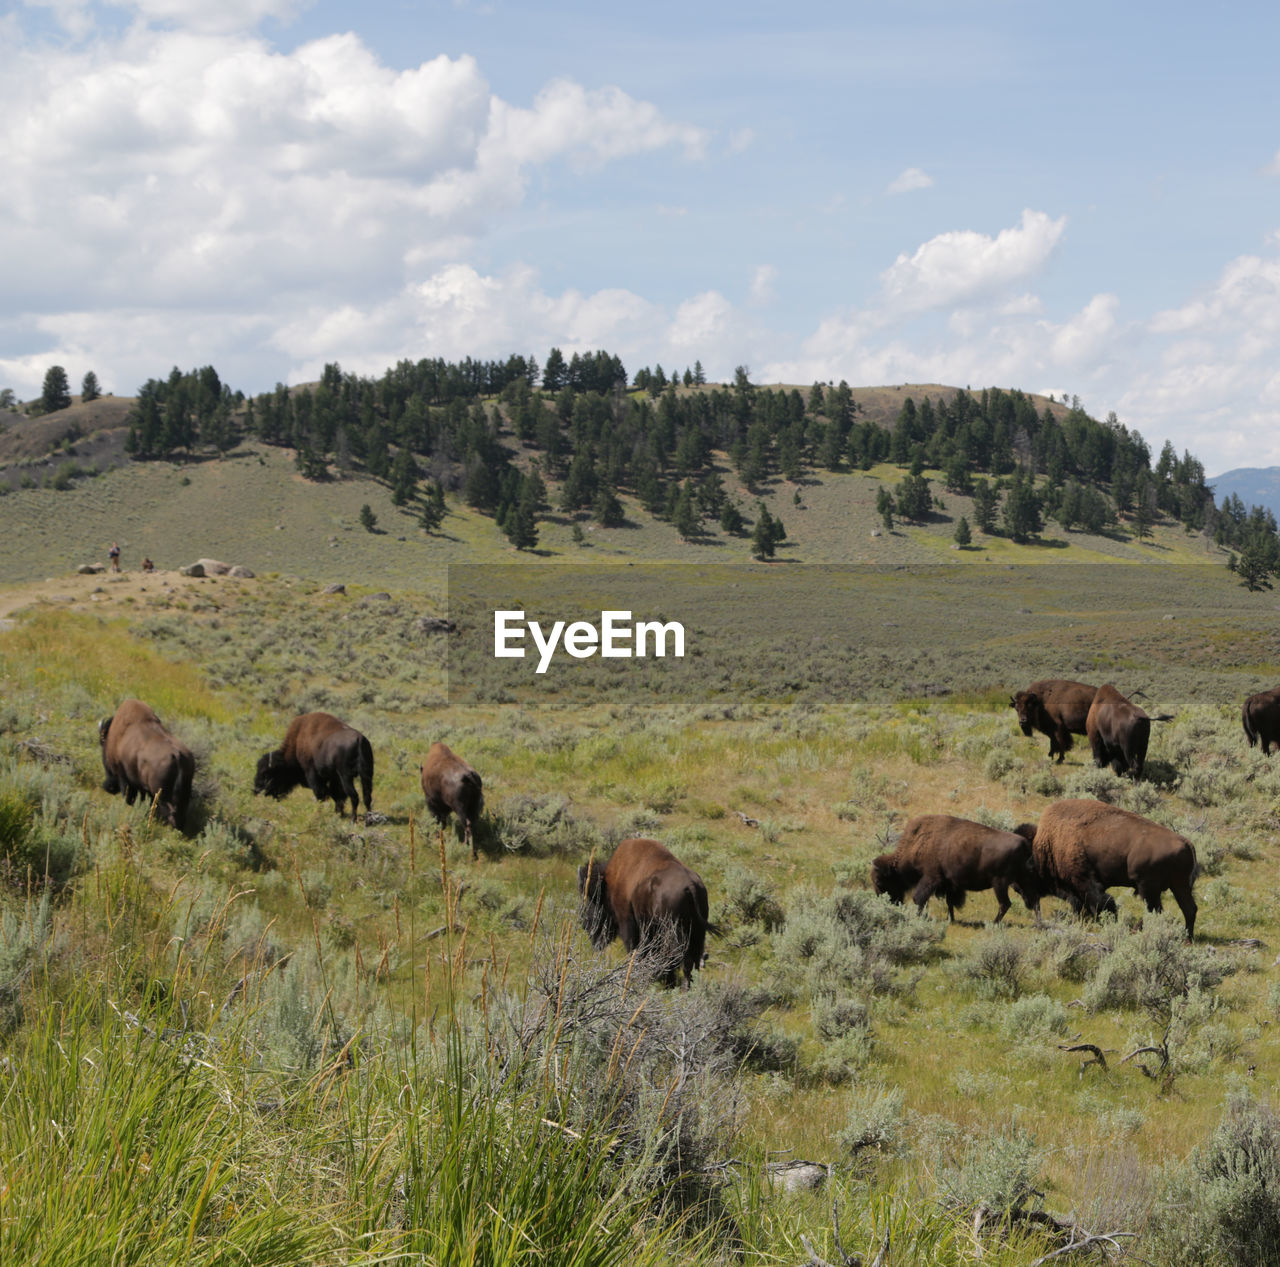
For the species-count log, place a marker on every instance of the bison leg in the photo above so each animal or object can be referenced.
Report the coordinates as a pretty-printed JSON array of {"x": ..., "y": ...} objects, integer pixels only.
[
  {"x": 1187, "y": 904},
  {"x": 1001, "y": 889},
  {"x": 924, "y": 891},
  {"x": 1100, "y": 755}
]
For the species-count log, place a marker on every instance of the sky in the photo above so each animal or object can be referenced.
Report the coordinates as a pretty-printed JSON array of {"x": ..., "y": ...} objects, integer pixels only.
[{"x": 1079, "y": 199}]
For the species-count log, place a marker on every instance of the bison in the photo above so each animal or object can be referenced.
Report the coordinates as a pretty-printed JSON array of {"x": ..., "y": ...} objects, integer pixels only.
[
  {"x": 645, "y": 894},
  {"x": 451, "y": 786},
  {"x": 324, "y": 753},
  {"x": 1119, "y": 731},
  {"x": 1082, "y": 848},
  {"x": 140, "y": 755},
  {"x": 951, "y": 857},
  {"x": 1261, "y": 717},
  {"x": 1055, "y": 707}
]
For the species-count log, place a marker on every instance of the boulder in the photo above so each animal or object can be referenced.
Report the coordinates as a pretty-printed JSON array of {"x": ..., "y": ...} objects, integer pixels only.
[
  {"x": 241, "y": 573},
  {"x": 336, "y": 588},
  {"x": 192, "y": 569},
  {"x": 91, "y": 569},
  {"x": 797, "y": 1176},
  {"x": 212, "y": 567}
]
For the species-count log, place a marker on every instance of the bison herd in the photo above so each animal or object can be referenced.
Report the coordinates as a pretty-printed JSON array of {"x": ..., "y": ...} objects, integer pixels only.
[{"x": 643, "y": 894}]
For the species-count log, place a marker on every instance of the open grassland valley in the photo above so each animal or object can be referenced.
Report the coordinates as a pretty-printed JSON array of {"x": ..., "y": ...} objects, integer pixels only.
[{"x": 240, "y": 1028}]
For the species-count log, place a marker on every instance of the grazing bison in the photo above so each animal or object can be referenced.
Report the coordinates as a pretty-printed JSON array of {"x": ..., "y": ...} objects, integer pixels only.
[
  {"x": 1055, "y": 707},
  {"x": 324, "y": 753},
  {"x": 951, "y": 857},
  {"x": 451, "y": 786},
  {"x": 1082, "y": 848},
  {"x": 1261, "y": 717},
  {"x": 1119, "y": 731},
  {"x": 140, "y": 755},
  {"x": 644, "y": 893}
]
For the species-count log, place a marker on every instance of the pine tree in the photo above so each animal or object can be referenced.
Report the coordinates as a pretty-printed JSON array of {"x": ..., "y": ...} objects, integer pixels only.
[
  {"x": 963, "y": 536},
  {"x": 89, "y": 389},
  {"x": 368, "y": 520},
  {"x": 57, "y": 393},
  {"x": 885, "y": 506},
  {"x": 985, "y": 500},
  {"x": 685, "y": 517}
]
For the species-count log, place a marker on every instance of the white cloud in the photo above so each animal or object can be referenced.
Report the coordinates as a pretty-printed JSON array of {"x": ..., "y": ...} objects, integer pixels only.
[
  {"x": 188, "y": 169},
  {"x": 762, "y": 284},
  {"x": 962, "y": 265},
  {"x": 909, "y": 180}
]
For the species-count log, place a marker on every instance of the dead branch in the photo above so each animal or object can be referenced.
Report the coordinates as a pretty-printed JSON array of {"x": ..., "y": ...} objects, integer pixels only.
[
  {"x": 1099, "y": 1058},
  {"x": 747, "y": 821},
  {"x": 1086, "y": 1244},
  {"x": 846, "y": 1259}
]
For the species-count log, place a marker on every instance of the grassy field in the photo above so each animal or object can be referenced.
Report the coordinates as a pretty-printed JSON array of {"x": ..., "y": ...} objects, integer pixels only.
[{"x": 270, "y": 1038}]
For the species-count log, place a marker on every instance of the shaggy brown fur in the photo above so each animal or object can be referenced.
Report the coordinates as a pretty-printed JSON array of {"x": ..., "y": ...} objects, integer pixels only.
[
  {"x": 451, "y": 786},
  {"x": 951, "y": 857},
  {"x": 1055, "y": 707},
  {"x": 1119, "y": 731},
  {"x": 1082, "y": 848},
  {"x": 642, "y": 894},
  {"x": 1261, "y": 717},
  {"x": 140, "y": 755},
  {"x": 324, "y": 753}
]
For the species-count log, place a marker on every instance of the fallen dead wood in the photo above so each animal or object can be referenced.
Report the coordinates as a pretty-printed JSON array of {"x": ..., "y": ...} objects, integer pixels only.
[{"x": 1099, "y": 1057}]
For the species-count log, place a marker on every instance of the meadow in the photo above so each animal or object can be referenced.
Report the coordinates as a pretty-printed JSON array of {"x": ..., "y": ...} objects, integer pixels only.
[{"x": 281, "y": 1037}]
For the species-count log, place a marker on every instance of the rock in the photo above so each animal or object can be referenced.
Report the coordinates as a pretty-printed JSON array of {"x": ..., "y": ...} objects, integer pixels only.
[
  {"x": 192, "y": 569},
  {"x": 375, "y": 598},
  {"x": 91, "y": 569},
  {"x": 212, "y": 567},
  {"x": 241, "y": 573},
  {"x": 336, "y": 588},
  {"x": 797, "y": 1176}
]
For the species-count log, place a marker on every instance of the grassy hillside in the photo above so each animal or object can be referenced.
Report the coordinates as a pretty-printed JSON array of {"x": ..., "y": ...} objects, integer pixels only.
[
  {"x": 254, "y": 508},
  {"x": 284, "y": 1038}
]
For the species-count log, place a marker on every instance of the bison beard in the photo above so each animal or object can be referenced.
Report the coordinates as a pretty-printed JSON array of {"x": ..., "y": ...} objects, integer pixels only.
[
  {"x": 938, "y": 855},
  {"x": 653, "y": 901},
  {"x": 324, "y": 753},
  {"x": 140, "y": 755},
  {"x": 451, "y": 786}
]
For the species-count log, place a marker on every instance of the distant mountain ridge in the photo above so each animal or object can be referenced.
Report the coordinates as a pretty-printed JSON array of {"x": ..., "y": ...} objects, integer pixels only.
[{"x": 1253, "y": 485}]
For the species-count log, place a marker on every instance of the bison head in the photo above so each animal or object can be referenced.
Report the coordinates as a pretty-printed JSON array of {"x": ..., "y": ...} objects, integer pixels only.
[
  {"x": 887, "y": 878},
  {"x": 1029, "y": 709},
  {"x": 595, "y": 911},
  {"x": 275, "y": 776}
]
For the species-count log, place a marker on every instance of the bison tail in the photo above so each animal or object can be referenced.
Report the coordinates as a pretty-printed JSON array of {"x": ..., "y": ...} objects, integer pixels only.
[
  {"x": 1163, "y": 716},
  {"x": 1249, "y": 732},
  {"x": 364, "y": 767},
  {"x": 181, "y": 794}
]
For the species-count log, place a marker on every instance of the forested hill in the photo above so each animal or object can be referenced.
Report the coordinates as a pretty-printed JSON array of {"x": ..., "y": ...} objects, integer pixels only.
[{"x": 516, "y": 441}]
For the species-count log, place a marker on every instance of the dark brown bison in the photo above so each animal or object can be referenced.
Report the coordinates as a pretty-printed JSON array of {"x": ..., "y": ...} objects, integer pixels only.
[
  {"x": 1119, "y": 731},
  {"x": 645, "y": 894},
  {"x": 1082, "y": 848},
  {"x": 1261, "y": 717},
  {"x": 1055, "y": 707},
  {"x": 140, "y": 755},
  {"x": 951, "y": 857},
  {"x": 451, "y": 786},
  {"x": 324, "y": 753}
]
